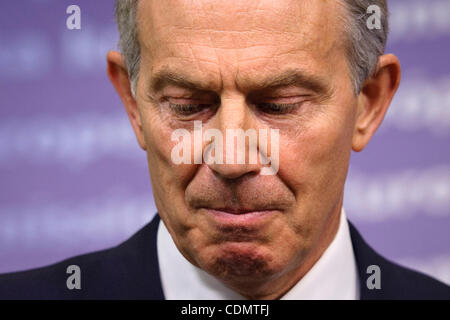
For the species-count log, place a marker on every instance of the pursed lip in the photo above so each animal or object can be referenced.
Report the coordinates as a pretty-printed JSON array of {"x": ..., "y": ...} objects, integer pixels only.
[{"x": 240, "y": 215}]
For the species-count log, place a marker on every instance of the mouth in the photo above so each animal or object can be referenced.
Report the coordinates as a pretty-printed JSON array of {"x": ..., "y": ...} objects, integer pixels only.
[{"x": 240, "y": 216}]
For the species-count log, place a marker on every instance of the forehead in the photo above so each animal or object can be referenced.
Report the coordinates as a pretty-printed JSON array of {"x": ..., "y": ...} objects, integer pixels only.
[{"x": 243, "y": 35}]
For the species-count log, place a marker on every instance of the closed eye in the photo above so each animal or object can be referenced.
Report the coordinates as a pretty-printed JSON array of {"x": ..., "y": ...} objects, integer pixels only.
[
  {"x": 188, "y": 107},
  {"x": 276, "y": 108}
]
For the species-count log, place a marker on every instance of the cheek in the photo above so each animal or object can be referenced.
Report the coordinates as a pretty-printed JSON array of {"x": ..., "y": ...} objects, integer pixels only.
[
  {"x": 158, "y": 138},
  {"x": 168, "y": 179},
  {"x": 314, "y": 161},
  {"x": 313, "y": 164}
]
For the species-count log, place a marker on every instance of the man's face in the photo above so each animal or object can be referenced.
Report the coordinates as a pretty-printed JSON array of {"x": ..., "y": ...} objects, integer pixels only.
[{"x": 251, "y": 65}]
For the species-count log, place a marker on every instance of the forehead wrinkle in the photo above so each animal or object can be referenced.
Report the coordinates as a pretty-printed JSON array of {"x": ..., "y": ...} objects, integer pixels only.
[
  {"x": 202, "y": 5},
  {"x": 206, "y": 36},
  {"x": 185, "y": 16}
]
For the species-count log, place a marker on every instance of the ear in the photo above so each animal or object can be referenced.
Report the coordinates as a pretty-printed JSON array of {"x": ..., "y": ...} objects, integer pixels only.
[
  {"x": 374, "y": 99},
  {"x": 118, "y": 75}
]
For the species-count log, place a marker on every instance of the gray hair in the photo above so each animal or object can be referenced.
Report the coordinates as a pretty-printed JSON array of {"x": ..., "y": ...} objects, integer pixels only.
[{"x": 364, "y": 45}]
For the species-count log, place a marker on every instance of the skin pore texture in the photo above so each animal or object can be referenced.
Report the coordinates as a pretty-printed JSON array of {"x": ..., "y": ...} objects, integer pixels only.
[{"x": 251, "y": 65}]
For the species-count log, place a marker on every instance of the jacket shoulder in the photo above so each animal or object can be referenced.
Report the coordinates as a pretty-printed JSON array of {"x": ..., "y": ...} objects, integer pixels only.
[
  {"x": 396, "y": 282},
  {"x": 129, "y": 270},
  {"x": 50, "y": 282}
]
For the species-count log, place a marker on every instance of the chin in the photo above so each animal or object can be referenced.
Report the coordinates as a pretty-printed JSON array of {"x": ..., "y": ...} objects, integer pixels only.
[{"x": 240, "y": 262}]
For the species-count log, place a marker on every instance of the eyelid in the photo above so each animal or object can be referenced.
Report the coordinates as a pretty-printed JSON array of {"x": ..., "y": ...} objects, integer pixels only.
[
  {"x": 189, "y": 108},
  {"x": 279, "y": 108},
  {"x": 279, "y": 100},
  {"x": 184, "y": 101},
  {"x": 187, "y": 93},
  {"x": 193, "y": 97},
  {"x": 184, "y": 107},
  {"x": 280, "y": 105}
]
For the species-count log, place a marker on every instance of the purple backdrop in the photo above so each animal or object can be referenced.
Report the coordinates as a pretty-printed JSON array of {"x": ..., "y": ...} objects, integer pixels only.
[{"x": 73, "y": 179}]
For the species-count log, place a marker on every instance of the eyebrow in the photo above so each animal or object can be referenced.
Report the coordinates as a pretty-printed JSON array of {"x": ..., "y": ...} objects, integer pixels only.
[
  {"x": 165, "y": 77},
  {"x": 289, "y": 77}
]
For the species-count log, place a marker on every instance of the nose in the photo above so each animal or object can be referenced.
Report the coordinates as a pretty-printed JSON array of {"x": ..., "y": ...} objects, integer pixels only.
[
  {"x": 240, "y": 146},
  {"x": 234, "y": 171}
]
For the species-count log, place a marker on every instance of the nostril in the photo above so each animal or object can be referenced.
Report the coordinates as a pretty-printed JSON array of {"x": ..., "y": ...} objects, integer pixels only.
[{"x": 234, "y": 171}]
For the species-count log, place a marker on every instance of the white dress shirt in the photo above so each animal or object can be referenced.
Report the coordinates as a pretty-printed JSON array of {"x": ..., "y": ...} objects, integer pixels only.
[{"x": 334, "y": 276}]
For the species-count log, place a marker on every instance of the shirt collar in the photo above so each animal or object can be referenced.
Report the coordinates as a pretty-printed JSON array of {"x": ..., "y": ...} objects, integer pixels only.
[{"x": 333, "y": 276}]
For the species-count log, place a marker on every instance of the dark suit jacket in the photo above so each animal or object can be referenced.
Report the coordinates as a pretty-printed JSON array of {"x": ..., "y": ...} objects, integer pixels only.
[{"x": 130, "y": 271}]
